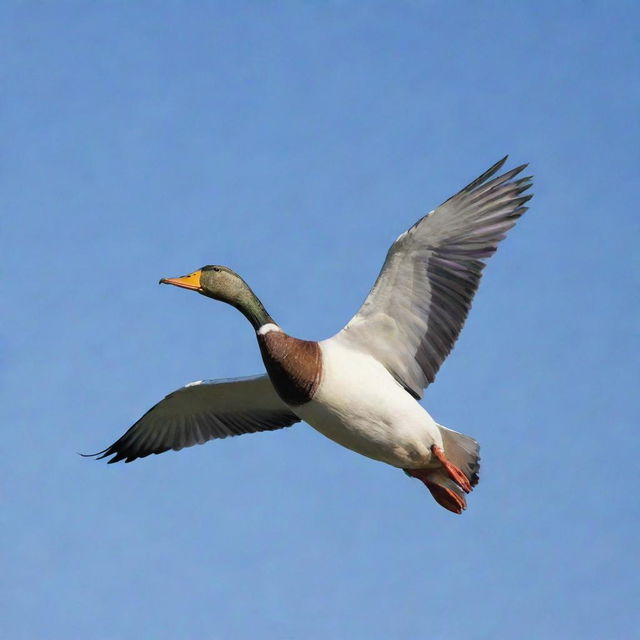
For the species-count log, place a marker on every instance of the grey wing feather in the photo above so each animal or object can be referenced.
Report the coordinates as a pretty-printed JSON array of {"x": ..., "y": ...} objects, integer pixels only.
[
  {"x": 203, "y": 411},
  {"x": 419, "y": 303}
]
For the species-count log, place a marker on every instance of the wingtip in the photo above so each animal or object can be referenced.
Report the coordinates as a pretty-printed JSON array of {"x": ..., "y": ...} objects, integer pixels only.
[
  {"x": 498, "y": 165},
  {"x": 96, "y": 456},
  {"x": 481, "y": 179},
  {"x": 88, "y": 455}
]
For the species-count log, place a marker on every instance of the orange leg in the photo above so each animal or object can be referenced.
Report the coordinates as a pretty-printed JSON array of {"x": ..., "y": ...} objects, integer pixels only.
[
  {"x": 455, "y": 473},
  {"x": 446, "y": 483}
]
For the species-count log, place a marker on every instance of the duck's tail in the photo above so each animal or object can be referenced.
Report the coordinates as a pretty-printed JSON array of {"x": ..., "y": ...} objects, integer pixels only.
[
  {"x": 461, "y": 459},
  {"x": 463, "y": 451}
]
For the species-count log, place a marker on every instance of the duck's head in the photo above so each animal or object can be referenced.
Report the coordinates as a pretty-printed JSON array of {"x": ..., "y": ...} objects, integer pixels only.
[
  {"x": 224, "y": 284},
  {"x": 213, "y": 281}
]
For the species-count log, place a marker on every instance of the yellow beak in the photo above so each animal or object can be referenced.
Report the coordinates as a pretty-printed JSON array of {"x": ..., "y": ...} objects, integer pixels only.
[{"x": 192, "y": 281}]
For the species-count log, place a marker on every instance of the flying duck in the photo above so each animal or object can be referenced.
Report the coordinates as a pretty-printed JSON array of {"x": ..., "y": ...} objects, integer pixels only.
[{"x": 360, "y": 387}]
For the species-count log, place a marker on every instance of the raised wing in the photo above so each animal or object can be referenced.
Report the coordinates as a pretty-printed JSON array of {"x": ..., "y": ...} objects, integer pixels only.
[
  {"x": 203, "y": 411},
  {"x": 418, "y": 305}
]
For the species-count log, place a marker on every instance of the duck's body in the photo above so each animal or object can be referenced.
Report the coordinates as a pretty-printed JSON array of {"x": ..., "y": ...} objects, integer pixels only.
[
  {"x": 361, "y": 387},
  {"x": 350, "y": 398}
]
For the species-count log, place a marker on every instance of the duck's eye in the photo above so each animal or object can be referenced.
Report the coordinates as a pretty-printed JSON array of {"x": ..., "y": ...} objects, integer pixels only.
[{"x": 216, "y": 268}]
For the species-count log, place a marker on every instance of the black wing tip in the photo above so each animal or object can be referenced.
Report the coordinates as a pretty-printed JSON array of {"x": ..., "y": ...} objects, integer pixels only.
[
  {"x": 494, "y": 168},
  {"x": 512, "y": 173},
  {"x": 105, "y": 453},
  {"x": 498, "y": 165},
  {"x": 524, "y": 182},
  {"x": 485, "y": 176},
  {"x": 506, "y": 178},
  {"x": 101, "y": 454},
  {"x": 119, "y": 454},
  {"x": 489, "y": 173}
]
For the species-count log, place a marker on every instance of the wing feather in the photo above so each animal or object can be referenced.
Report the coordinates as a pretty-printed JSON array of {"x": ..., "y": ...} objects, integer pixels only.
[
  {"x": 203, "y": 411},
  {"x": 422, "y": 296}
]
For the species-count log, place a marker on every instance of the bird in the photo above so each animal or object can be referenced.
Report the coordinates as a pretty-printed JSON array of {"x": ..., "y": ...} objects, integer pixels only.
[{"x": 361, "y": 387}]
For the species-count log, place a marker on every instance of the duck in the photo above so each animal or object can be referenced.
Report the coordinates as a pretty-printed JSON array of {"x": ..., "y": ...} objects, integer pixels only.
[{"x": 361, "y": 387}]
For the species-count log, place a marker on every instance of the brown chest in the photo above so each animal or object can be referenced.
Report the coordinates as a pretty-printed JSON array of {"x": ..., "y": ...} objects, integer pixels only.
[{"x": 294, "y": 366}]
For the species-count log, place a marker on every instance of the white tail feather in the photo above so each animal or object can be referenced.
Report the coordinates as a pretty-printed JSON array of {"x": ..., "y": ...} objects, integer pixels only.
[{"x": 463, "y": 451}]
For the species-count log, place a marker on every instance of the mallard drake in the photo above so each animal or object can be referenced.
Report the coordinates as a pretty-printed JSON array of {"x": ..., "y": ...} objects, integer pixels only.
[{"x": 360, "y": 387}]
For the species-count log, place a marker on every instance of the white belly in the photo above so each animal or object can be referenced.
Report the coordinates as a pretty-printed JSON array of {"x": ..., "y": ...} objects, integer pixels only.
[{"x": 359, "y": 405}]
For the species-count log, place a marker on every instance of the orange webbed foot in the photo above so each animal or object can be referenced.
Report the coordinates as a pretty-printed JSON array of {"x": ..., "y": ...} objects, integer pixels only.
[
  {"x": 446, "y": 496},
  {"x": 455, "y": 473}
]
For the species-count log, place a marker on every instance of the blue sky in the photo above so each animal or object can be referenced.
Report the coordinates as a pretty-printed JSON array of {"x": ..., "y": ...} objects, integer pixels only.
[{"x": 293, "y": 141}]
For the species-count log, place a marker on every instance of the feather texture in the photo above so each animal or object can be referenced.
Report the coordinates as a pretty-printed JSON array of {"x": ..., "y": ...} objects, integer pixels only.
[
  {"x": 203, "y": 411},
  {"x": 420, "y": 300}
]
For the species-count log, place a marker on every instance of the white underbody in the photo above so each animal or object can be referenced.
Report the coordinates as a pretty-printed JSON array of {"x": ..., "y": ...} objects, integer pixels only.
[{"x": 359, "y": 405}]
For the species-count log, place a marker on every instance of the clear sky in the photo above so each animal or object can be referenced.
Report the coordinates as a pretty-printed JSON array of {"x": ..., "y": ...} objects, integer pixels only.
[{"x": 293, "y": 141}]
